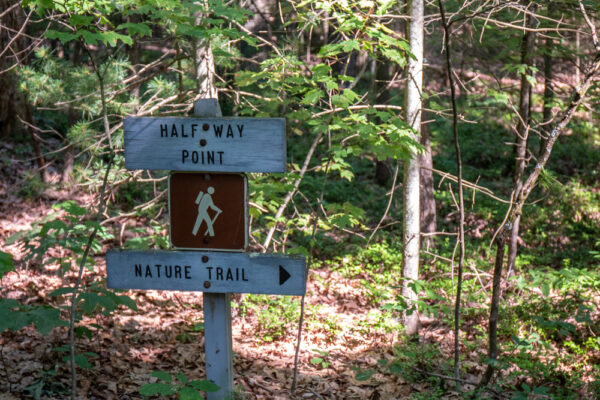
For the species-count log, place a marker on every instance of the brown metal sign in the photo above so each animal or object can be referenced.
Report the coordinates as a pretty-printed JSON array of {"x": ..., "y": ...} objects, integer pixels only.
[{"x": 208, "y": 211}]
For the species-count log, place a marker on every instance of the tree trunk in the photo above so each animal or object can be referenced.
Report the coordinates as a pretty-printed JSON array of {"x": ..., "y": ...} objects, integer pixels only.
[
  {"x": 428, "y": 211},
  {"x": 205, "y": 66},
  {"x": 413, "y": 105},
  {"x": 72, "y": 118},
  {"x": 527, "y": 48},
  {"x": 133, "y": 52},
  {"x": 494, "y": 308},
  {"x": 548, "y": 90},
  {"x": 9, "y": 85}
]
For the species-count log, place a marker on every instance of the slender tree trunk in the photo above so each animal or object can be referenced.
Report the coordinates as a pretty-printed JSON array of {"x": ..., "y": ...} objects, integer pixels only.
[
  {"x": 133, "y": 52},
  {"x": 527, "y": 48},
  {"x": 494, "y": 308},
  {"x": 9, "y": 85},
  {"x": 72, "y": 117},
  {"x": 428, "y": 211},
  {"x": 37, "y": 148},
  {"x": 205, "y": 66},
  {"x": 380, "y": 73},
  {"x": 461, "y": 201},
  {"x": 411, "y": 236},
  {"x": 548, "y": 95},
  {"x": 577, "y": 59}
]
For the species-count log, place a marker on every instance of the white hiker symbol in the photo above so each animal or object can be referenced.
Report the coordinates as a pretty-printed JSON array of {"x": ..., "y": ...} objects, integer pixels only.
[{"x": 204, "y": 201}]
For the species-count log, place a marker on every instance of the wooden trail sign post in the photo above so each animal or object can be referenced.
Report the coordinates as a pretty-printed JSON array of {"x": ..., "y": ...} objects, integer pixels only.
[{"x": 208, "y": 211}]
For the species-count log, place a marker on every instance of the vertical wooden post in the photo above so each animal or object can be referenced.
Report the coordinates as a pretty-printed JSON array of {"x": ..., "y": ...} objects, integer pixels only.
[
  {"x": 217, "y": 344},
  {"x": 217, "y": 311}
]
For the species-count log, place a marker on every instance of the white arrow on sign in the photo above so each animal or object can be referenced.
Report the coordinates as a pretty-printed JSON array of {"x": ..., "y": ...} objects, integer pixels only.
[
  {"x": 206, "y": 271},
  {"x": 212, "y": 144}
]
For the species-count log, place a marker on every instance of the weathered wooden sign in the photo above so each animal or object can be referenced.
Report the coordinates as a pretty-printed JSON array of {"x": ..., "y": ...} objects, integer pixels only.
[
  {"x": 208, "y": 211},
  {"x": 212, "y": 272},
  {"x": 205, "y": 144}
]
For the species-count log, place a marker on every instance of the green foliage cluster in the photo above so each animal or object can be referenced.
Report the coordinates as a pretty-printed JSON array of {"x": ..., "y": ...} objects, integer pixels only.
[
  {"x": 184, "y": 388},
  {"x": 66, "y": 234}
]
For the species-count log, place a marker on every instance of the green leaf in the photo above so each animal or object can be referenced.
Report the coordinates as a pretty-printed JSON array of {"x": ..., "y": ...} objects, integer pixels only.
[
  {"x": 350, "y": 45},
  {"x": 163, "y": 376},
  {"x": 61, "y": 291},
  {"x": 365, "y": 375},
  {"x": 396, "y": 368},
  {"x": 316, "y": 360},
  {"x": 312, "y": 96},
  {"x": 198, "y": 327},
  {"x": 81, "y": 20},
  {"x": 182, "y": 378},
  {"x": 6, "y": 263},
  {"x": 12, "y": 239},
  {"x": 57, "y": 225},
  {"x": 83, "y": 330},
  {"x": 10, "y": 318},
  {"x": 45, "y": 318},
  {"x": 82, "y": 361},
  {"x": 139, "y": 28},
  {"x": 531, "y": 80},
  {"x": 93, "y": 300},
  {"x": 187, "y": 393},
  {"x": 90, "y": 37},
  {"x": 64, "y": 37},
  {"x": 127, "y": 302},
  {"x": 111, "y": 38},
  {"x": 545, "y": 289},
  {"x": 152, "y": 389},
  {"x": 61, "y": 349},
  {"x": 205, "y": 386}
]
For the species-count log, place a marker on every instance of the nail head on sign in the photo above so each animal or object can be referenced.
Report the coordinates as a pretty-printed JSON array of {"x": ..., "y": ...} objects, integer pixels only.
[
  {"x": 207, "y": 177},
  {"x": 206, "y": 284},
  {"x": 205, "y": 127},
  {"x": 204, "y": 258},
  {"x": 202, "y": 142},
  {"x": 206, "y": 240}
]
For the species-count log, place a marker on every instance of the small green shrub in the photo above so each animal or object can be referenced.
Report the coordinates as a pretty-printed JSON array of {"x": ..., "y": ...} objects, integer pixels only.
[{"x": 182, "y": 387}]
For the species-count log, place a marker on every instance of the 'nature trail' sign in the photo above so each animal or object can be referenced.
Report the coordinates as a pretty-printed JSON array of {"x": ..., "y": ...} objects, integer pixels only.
[
  {"x": 212, "y": 272},
  {"x": 205, "y": 144}
]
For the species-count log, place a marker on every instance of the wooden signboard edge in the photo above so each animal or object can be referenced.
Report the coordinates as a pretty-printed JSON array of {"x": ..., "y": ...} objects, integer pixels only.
[{"x": 246, "y": 227}]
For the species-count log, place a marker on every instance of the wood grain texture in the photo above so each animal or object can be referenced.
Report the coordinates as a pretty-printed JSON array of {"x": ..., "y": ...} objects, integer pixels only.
[
  {"x": 205, "y": 144},
  {"x": 206, "y": 271}
]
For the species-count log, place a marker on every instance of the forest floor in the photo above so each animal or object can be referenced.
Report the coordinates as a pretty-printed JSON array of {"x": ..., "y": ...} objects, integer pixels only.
[
  {"x": 165, "y": 334},
  {"x": 350, "y": 347}
]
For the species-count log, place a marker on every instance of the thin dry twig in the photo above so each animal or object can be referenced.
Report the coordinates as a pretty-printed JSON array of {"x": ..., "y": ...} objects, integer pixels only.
[
  {"x": 292, "y": 192},
  {"x": 460, "y": 205}
]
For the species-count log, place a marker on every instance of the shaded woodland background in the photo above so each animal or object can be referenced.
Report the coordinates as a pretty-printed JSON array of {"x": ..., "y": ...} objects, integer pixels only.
[{"x": 70, "y": 71}]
